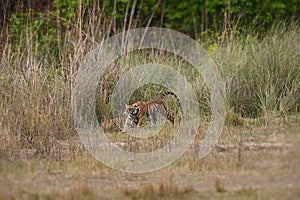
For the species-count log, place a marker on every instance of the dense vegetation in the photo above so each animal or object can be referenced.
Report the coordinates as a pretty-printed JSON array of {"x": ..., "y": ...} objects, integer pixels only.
[
  {"x": 254, "y": 43},
  {"x": 194, "y": 17}
]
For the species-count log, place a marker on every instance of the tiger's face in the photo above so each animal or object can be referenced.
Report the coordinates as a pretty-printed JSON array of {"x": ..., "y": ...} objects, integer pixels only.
[{"x": 132, "y": 110}]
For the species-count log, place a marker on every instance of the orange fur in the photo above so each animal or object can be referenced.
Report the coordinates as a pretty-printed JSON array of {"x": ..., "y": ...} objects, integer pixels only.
[{"x": 138, "y": 111}]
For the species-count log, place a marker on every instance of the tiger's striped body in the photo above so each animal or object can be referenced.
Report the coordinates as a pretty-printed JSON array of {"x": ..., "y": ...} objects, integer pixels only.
[{"x": 137, "y": 112}]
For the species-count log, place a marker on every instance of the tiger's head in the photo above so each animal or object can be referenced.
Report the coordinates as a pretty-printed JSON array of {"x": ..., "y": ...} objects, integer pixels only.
[{"x": 133, "y": 110}]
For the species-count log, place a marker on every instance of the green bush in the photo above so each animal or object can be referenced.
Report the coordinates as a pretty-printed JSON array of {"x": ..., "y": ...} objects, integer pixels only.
[{"x": 262, "y": 75}]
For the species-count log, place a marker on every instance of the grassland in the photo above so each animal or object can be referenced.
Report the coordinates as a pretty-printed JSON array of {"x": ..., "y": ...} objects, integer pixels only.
[
  {"x": 42, "y": 157},
  {"x": 258, "y": 160}
]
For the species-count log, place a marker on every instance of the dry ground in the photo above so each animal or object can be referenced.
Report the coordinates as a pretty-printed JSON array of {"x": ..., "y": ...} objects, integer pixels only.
[{"x": 252, "y": 161}]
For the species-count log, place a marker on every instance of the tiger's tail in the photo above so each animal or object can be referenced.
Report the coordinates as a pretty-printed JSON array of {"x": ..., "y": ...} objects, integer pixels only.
[{"x": 178, "y": 101}]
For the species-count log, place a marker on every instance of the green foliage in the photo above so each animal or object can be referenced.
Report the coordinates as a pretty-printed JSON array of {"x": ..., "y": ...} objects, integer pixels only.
[
  {"x": 194, "y": 16},
  {"x": 66, "y": 9},
  {"x": 45, "y": 30},
  {"x": 184, "y": 13},
  {"x": 262, "y": 75},
  {"x": 120, "y": 7},
  {"x": 17, "y": 22}
]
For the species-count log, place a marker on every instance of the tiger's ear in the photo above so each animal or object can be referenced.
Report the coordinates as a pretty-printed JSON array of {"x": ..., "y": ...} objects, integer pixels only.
[{"x": 126, "y": 105}]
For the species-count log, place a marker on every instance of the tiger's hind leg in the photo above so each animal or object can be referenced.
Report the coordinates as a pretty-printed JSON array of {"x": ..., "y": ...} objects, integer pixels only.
[
  {"x": 153, "y": 119},
  {"x": 170, "y": 118},
  {"x": 167, "y": 115}
]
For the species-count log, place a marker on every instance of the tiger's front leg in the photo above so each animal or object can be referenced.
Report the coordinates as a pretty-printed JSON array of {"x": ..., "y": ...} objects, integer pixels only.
[
  {"x": 140, "y": 123},
  {"x": 126, "y": 125}
]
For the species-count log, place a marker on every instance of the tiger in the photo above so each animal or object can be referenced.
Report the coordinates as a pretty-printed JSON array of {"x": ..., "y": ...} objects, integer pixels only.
[{"x": 137, "y": 112}]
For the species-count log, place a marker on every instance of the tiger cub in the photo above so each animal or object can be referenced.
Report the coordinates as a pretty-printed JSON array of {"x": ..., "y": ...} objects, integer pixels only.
[{"x": 137, "y": 112}]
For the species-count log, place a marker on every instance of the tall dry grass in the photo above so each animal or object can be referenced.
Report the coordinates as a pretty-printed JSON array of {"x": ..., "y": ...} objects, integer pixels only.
[
  {"x": 36, "y": 80},
  {"x": 39, "y": 59},
  {"x": 262, "y": 74},
  {"x": 36, "y": 73}
]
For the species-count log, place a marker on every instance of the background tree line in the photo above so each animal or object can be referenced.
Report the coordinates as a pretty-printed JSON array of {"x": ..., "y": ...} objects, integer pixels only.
[{"x": 193, "y": 17}]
